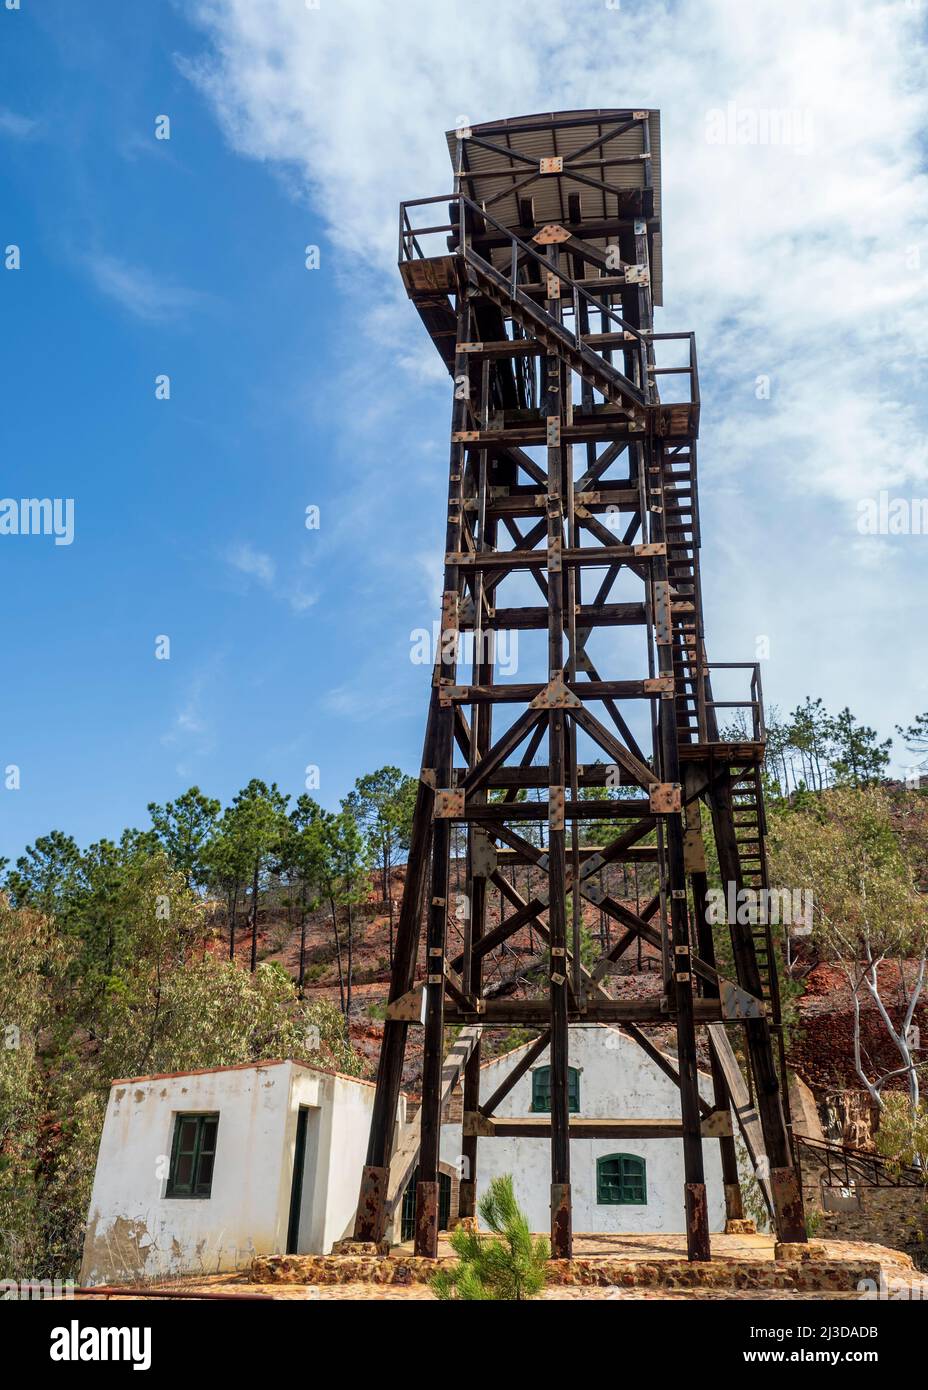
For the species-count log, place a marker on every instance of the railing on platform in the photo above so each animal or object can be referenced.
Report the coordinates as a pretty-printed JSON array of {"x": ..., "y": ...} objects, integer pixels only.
[
  {"x": 640, "y": 343},
  {"x": 689, "y": 370},
  {"x": 757, "y": 733}
]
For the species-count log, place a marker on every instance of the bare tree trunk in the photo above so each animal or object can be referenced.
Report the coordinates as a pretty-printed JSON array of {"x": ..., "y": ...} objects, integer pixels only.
[
  {"x": 388, "y": 894},
  {"x": 858, "y": 1060},
  {"x": 350, "y": 969},
  {"x": 232, "y": 903},
  {"x": 900, "y": 1038},
  {"x": 254, "y": 918},
  {"x": 338, "y": 952},
  {"x": 302, "y": 974}
]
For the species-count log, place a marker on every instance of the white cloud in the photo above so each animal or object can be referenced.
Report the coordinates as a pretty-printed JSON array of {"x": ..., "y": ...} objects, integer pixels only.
[
  {"x": 140, "y": 292},
  {"x": 16, "y": 126},
  {"x": 255, "y": 563},
  {"x": 300, "y": 601},
  {"x": 190, "y": 734},
  {"x": 791, "y": 258},
  {"x": 259, "y": 566},
  {"x": 806, "y": 261}
]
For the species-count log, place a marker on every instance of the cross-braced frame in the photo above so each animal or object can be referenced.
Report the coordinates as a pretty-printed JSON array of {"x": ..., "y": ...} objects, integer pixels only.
[{"x": 572, "y": 480}]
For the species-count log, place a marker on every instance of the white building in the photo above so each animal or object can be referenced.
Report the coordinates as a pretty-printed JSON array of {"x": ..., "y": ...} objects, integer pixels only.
[
  {"x": 628, "y": 1186},
  {"x": 199, "y": 1171}
]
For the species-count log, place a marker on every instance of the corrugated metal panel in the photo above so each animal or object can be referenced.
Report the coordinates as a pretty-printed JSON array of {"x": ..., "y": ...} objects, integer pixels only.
[{"x": 562, "y": 133}]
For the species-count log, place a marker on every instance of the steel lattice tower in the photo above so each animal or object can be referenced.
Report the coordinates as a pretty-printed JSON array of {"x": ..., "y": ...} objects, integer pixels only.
[{"x": 568, "y": 472}]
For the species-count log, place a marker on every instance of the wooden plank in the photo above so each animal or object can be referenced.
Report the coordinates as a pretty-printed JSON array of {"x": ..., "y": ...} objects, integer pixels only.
[
  {"x": 744, "y": 1109},
  {"x": 406, "y": 1154}
]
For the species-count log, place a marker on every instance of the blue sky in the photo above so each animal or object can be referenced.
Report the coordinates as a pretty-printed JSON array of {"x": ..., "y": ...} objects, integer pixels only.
[{"x": 292, "y": 387}]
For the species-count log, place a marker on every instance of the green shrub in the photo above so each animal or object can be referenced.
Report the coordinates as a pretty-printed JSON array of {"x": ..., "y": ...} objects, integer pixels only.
[{"x": 509, "y": 1265}]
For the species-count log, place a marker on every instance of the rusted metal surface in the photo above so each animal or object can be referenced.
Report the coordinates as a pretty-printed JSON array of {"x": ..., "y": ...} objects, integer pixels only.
[
  {"x": 551, "y": 233},
  {"x": 556, "y": 808},
  {"x": 408, "y": 1008},
  {"x": 108, "y": 1291},
  {"x": 738, "y": 1004},
  {"x": 787, "y": 1200},
  {"x": 665, "y": 797},
  {"x": 697, "y": 1222},
  {"x": 467, "y": 1200},
  {"x": 539, "y": 300},
  {"x": 717, "y": 1124},
  {"x": 449, "y": 803},
  {"x": 426, "y": 1236},
  {"x": 555, "y": 696},
  {"x": 561, "y": 1222},
  {"x": 370, "y": 1222}
]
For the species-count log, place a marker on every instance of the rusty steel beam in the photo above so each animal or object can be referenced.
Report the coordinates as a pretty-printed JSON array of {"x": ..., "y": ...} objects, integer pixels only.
[{"x": 567, "y": 469}]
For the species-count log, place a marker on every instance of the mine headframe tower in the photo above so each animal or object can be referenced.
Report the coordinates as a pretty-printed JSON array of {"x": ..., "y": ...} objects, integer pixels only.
[{"x": 571, "y": 475}]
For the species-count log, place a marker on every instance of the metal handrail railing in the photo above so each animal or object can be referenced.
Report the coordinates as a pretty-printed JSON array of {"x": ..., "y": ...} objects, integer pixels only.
[
  {"x": 849, "y": 1165},
  {"x": 408, "y": 232},
  {"x": 410, "y": 248},
  {"x": 408, "y": 238},
  {"x": 690, "y": 370},
  {"x": 756, "y": 702}
]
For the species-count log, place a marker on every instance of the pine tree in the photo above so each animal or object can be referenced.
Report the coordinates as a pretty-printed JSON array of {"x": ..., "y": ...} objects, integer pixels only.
[
  {"x": 184, "y": 827},
  {"x": 510, "y": 1265},
  {"x": 858, "y": 758}
]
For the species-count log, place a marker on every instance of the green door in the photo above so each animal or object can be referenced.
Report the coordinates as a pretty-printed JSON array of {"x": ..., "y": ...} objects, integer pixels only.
[
  {"x": 408, "y": 1219},
  {"x": 296, "y": 1187}
]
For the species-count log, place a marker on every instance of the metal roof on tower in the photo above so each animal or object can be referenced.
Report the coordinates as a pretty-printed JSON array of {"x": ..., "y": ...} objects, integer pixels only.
[{"x": 610, "y": 158}]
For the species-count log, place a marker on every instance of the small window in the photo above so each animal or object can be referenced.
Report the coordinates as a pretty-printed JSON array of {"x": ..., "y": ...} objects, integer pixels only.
[
  {"x": 541, "y": 1090},
  {"x": 193, "y": 1153},
  {"x": 621, "y": 1181}
]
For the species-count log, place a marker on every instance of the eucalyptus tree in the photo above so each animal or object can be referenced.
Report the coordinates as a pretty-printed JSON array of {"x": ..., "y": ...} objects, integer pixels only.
[{"x": 867, "y": 914}]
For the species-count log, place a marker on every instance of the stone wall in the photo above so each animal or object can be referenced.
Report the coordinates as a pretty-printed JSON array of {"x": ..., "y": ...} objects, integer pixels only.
[{"x": 891, "y": 1216}]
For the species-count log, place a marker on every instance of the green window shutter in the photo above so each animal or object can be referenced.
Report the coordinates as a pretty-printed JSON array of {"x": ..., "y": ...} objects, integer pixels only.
[
  {"x": 206, "y": 1155},
  {"x": 621, "y": 1181},
  {"x": 193, "y": 1153},
  {"x": 541, "y": 1091}
]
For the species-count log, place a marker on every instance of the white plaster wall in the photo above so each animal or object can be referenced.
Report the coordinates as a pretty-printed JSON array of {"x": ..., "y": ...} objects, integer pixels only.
[
  {"x": 336, "y": 1148},
  {"x": 617, "y": 1080},
  {"x": 135, "y": 1232}
]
